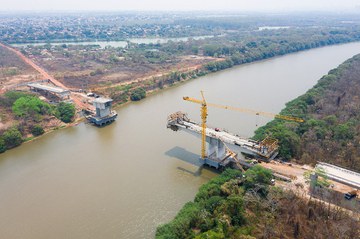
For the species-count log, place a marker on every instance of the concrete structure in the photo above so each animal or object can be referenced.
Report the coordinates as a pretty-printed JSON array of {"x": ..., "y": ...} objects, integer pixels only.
[
  {"x": 102, "y": 106},
  {"x": 220, "y": 143},
  {"x": 60, "y": 92},
  {"x": 103, "y": 115},
  {"x": 341, "y": 175}
]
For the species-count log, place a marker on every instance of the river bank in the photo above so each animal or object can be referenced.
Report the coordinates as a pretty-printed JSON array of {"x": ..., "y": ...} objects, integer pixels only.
[
  {"x": 228, "y": 205},
  {"x": 125, "y": 179},
  {"x": 121, "y": 93},
  {"x": 331, "y": 132}
]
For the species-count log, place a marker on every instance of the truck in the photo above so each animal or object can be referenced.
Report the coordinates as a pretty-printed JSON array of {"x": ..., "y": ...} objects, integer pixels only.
[{"x": 350, "y": 195}]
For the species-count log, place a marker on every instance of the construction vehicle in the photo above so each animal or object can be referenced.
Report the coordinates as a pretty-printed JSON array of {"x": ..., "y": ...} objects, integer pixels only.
[
  {"x": 350, "y": 195},
  {"x": 268, "y": 142}
]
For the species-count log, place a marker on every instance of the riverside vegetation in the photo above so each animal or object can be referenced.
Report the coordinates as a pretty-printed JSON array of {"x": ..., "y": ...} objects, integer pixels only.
[
  {"x": 30, "y": 116},
  {"x": 118, "y": 71},
  {"x": 331, "y": 131},
  {"x": 128, "y": 73},
  {"x": 246, "y": 206},
  {"x": 236, "y": 205}
]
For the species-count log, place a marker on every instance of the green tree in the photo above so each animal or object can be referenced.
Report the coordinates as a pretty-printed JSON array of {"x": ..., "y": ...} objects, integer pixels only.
[
  {"x": 30, "y": 106},
  {"x": 37, "y": 130},
  {"x": 211, "y": 235},
  {"x": 65, "y": 112},
  {"x": 11, "y": 96},
  {"x": 138, "y": 94},
  {"x": 12, "y": 138},
  {"x": 258, "y": 175},
  {"x": 343, "y": 131},
  {"x": 234, "y": 206},
  {"x": 181, "y": 226}
]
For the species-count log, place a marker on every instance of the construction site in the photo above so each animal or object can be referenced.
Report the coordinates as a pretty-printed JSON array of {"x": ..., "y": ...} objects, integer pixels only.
[
  {"x": 96, "y": 109},
  {"x": 221, "y": 149}
]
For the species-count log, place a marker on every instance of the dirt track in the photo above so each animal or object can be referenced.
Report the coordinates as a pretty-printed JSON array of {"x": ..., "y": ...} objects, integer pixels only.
[{"x": 76, "y": 99}]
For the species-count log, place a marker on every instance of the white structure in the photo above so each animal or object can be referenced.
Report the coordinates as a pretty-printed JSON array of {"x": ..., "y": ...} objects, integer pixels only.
[
  {"x": 103, "y": 107},
  {"x": 104, "y": 115},
  {"x": 341, "y": 175},
  {"x": 62, "y": 93}
]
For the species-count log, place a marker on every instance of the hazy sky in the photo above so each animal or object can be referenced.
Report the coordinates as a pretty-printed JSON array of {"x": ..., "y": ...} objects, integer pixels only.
[{"x": 179, "y": 5}]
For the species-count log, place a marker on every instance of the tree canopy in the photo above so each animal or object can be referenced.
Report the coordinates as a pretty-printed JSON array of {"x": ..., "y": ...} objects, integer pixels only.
[
  {"x": 65, "y": 112},
  {"x": 138, "y": 94},
  {"x": 30, "y": 107},
  {"x": 12, "y": 138},
  {"x": 331, "y": 131}
]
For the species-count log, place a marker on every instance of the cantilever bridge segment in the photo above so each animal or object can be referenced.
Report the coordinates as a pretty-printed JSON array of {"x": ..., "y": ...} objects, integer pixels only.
[
  {"x": 221, "y": 142},
  {"x": 60, "y": 92}
]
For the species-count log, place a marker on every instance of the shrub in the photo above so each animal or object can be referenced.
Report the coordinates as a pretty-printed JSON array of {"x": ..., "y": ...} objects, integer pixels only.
[
  {"x": 30, "y": 106},
  {"x": 138, "y": 94},
  {"x": 258, "y": 176},
  {"x": 11, "y": 96},
  {"x": 181, "y": 226},
  {"x": 37, "y": 130},
  {"x": 97, "y": 72},
  {"x": 12, "y": 138},
  {"x": 65, "y": 112}
]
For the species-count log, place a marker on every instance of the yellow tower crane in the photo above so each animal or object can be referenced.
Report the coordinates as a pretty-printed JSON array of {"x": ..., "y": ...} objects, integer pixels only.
[{"x": 204, "y": 115}]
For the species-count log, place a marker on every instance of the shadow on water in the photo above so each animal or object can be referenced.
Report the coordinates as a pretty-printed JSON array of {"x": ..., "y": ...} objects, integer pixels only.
[
  {"x": 184, "y": 155},
  {"x": 191, "y": 158},
  {"x": 197, "y": 173}
]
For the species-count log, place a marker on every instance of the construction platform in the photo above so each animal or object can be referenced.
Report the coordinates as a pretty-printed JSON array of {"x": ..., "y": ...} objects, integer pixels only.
[
  {"x": 101, "y": 121},
  {"x": 103, "y": 114},
  {"x": 224, "y": 147}
]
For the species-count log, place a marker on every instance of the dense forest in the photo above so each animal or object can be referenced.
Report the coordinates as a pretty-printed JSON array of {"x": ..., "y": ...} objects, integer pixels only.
[
  {"x": 331, "y": 131},
  {"x": 246, "y": 206}
]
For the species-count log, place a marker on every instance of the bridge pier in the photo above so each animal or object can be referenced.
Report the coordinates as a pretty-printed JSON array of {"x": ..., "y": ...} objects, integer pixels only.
[
  {"x": 223, "y": 147},
  {"x": 216, "y": 148}
]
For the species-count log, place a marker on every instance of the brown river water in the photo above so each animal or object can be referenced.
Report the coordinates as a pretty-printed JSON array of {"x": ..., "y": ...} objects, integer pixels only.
[{"x": 123, "y": 180}]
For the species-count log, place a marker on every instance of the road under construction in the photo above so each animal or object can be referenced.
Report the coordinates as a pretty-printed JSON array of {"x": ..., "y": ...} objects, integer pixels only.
[
  {"x": 98, "y": 113},
  {"x": 78, "y": 100}
]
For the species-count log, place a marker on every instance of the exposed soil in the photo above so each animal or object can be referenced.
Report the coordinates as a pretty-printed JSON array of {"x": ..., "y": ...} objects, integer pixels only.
[
  {"x": 117, "y": 74},
  {"x": 14, "y": 70}
]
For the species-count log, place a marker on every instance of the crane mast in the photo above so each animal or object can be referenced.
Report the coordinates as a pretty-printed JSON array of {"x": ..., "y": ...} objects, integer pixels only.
[
  {"x": 203, "y": 125},
  {"x": 204, "y": 115}
]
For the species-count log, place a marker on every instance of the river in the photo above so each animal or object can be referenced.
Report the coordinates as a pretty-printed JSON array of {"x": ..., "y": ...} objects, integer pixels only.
[
  {"x": 122, "y": 44},
  {"x": 123, "y": 180}
]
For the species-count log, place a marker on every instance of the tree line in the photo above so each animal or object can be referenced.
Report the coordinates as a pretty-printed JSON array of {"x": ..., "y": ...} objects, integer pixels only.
[
  {"x": 245, "y": 206},
  {"x": 331, "y": 131}
]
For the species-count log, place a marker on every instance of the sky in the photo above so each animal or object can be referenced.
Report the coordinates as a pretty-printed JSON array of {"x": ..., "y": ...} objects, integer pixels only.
[{"x": 180, "y": 5}]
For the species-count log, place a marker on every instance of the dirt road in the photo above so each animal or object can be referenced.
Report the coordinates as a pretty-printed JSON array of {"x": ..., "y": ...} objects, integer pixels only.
[{"x": 76, "y": 99}]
